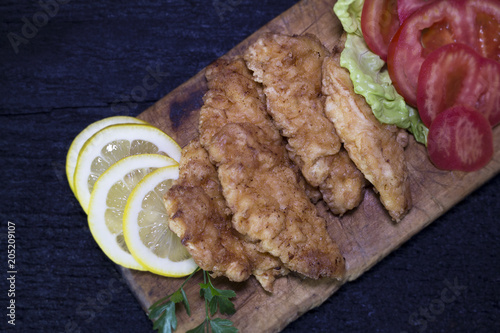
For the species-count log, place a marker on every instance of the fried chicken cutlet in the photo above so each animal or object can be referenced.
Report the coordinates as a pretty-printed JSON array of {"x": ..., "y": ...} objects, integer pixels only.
[
  {"x": 374, "y": 147},
  {"x": 200, "y": 217},
  {"x": 289, "y": 67},
  {"x": 269, "y": 205},
  {"x": 233, "y": 97}
]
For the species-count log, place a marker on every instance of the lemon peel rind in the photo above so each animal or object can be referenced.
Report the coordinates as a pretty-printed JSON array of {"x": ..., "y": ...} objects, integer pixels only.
[
  {"x": 129, "y": 132},
  {"x": 156, "y": 265},
  {"x": 79, "y": 141},
  {"x": 97, "y": 205}
]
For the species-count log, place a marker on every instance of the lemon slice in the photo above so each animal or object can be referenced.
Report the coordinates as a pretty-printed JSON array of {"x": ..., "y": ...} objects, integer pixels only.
[
  {"x": 108, "y": 201},
  {"x": 84, "y": 135},
  {"x": 113, "y": 143},
  {"x": 146, "y": 231}
]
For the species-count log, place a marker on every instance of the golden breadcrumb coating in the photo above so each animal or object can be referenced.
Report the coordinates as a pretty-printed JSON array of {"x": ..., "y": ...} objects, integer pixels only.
[
  {"x": 376, "y": 149},
  {"x": 200, "y": 217},
  {"x": 269, "y": 204},
  {"x": 289, "y": 67}
]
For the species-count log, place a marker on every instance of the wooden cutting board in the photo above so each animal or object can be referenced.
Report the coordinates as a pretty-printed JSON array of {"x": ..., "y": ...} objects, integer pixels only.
[{"x": 365, "y": 236}]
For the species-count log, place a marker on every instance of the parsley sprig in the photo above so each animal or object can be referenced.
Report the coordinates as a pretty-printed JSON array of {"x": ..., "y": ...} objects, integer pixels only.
[
  {"x": 215, "y": 299},
  {"x": 162, "y": 312}
]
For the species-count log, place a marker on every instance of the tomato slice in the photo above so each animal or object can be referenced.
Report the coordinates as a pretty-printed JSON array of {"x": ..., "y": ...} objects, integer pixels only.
[
  {"x": 379, "y": 23},
  {"x": 456, "y": 74},
  {"x": 408, "y": 7},
  {"x": 472, "y": 22},
  {"x": 430, "y": 27},
  {"x": 460, "y": 138},
  {"x": 485, "y": 18},
  {"x": 488, "y": 101}
]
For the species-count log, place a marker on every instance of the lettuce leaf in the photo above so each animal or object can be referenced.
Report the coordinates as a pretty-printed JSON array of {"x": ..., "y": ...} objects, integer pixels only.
[
  {"x": 349, "y": 14},
  {"x": 370, "y": 76}
]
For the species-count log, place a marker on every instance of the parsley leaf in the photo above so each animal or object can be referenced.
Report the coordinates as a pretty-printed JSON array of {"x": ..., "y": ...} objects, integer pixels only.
[
  {"x": 163, "y": 311},
  {"x": 180, "y": 296},
  {"x": 217, "y": 298},
  {"x": 220, "y": 325},
  {"x": 167, "y": 321}
]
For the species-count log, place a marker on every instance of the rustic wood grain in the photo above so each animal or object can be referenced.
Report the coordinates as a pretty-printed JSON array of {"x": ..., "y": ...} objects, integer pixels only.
[{"x": 365, "y": 236}]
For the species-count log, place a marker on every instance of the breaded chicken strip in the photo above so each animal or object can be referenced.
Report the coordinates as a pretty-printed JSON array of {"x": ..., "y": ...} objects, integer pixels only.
[
  {"x": 374, "y": 147},
  {"x": 269, "y": 206},
  {"x": 343, "y": 189},
  {"x": 261, "y": 187},
  {"x": 200, "y": 217},
  {"x": 233, "y": 97},
  {"x": 289, "y": 67}
]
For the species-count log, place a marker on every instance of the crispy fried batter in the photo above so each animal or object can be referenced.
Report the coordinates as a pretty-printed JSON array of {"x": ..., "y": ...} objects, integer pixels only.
[
  {"x": 233, "y": 97},
  {"x": 200, "y": 217},
  {"x": 374, "y": 147},
  {"x": 290, "y": 69},
  {"x": 269, "y": 204},
  {"x": 343, "y": 189}
]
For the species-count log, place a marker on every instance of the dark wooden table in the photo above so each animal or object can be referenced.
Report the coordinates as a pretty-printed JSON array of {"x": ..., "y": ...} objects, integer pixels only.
[{"x": 65, "y": 64}]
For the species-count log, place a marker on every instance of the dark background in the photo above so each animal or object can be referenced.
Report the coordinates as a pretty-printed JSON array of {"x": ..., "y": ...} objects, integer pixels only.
[{"x": 81, "y": 65}]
